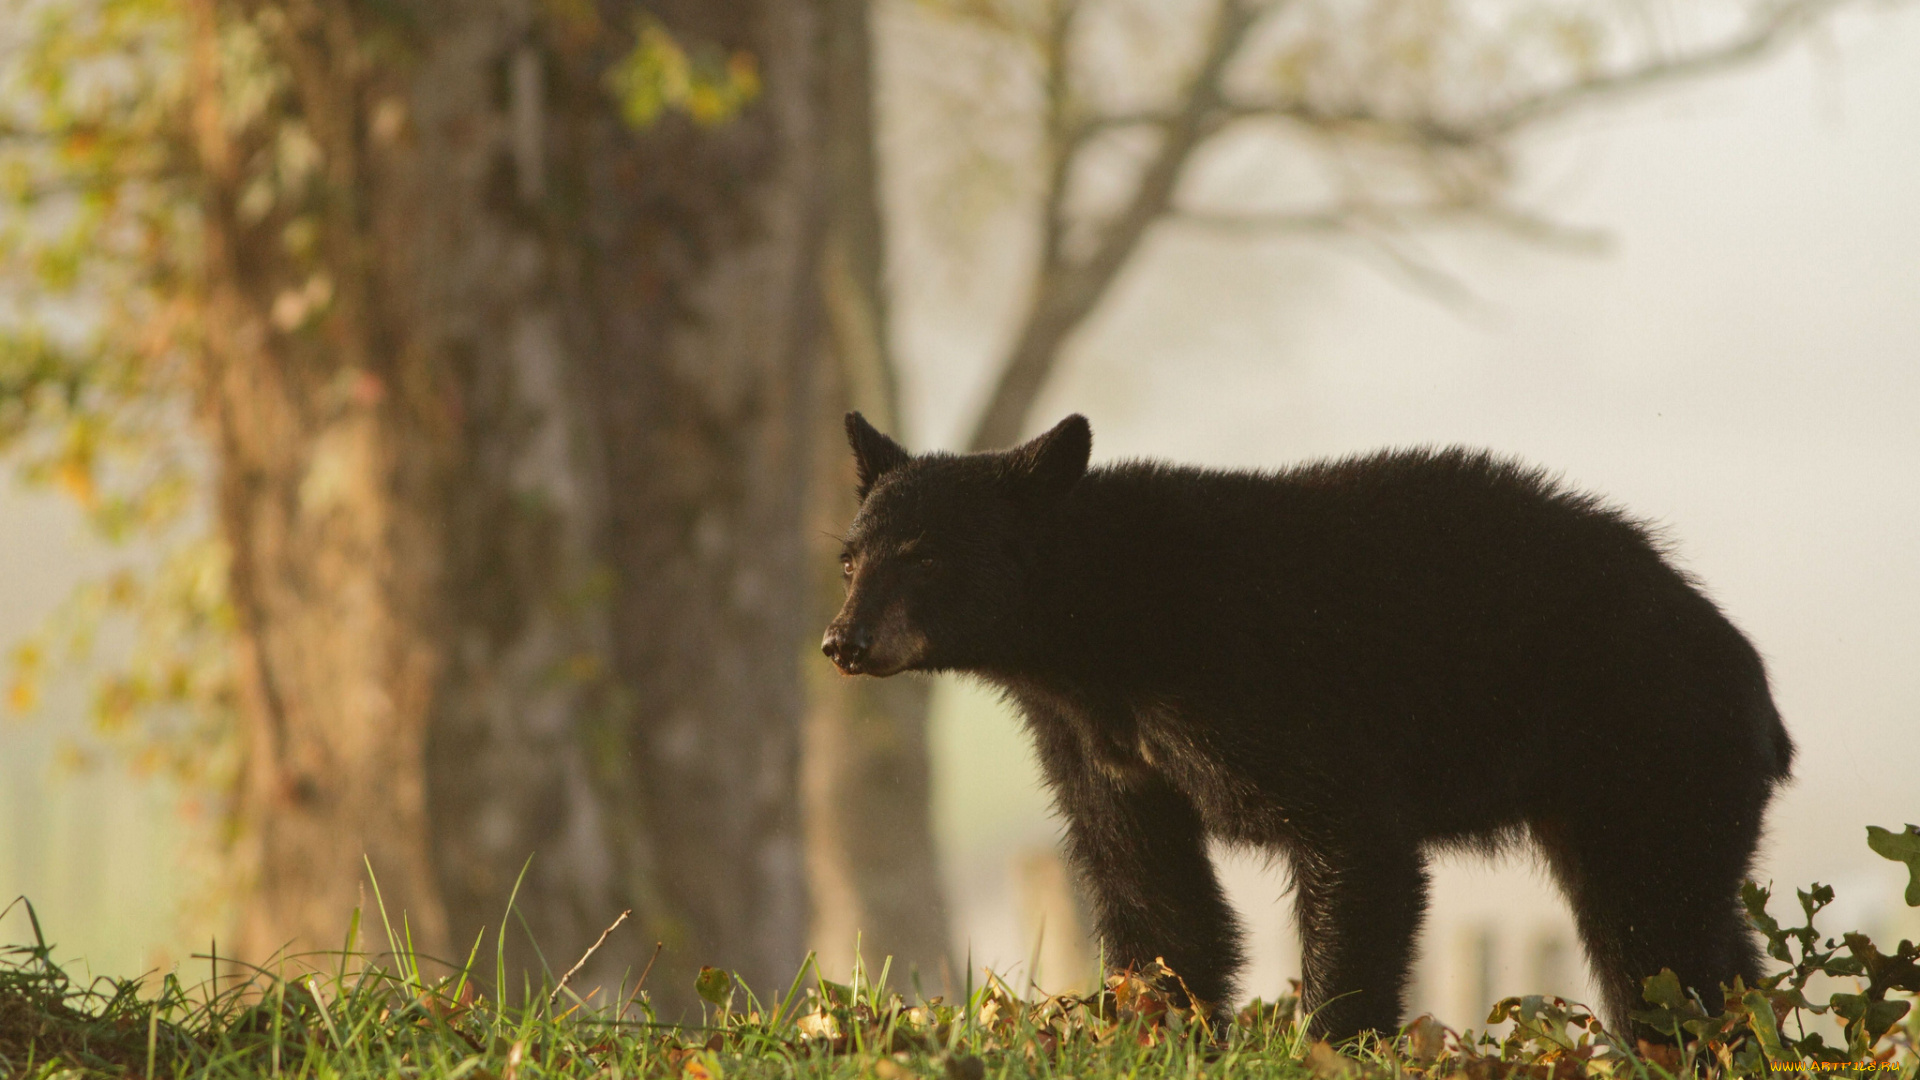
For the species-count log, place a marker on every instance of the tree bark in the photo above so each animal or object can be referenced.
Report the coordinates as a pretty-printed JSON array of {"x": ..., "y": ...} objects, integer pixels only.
[
  {"x": 514, "y": 495},
  {"x": 701, "y": 335},
  {"x": 871, "y": 858},
  {"x": 516, "y": 797},
  {"x": 329, "y": 447}
]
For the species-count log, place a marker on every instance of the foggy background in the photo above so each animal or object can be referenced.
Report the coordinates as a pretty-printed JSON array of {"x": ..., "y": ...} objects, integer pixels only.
[{"x": 1741, "y": 366}]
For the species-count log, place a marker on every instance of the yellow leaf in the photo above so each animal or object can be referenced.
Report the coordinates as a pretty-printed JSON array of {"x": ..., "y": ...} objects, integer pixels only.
[
  {"x": 77, "y": 480},
  {"x": 702, "y": 1066},
  {"x": 819, "y": 1025},
  {"x": 23, "y": 696},
  {"x": 28, "y": 657}
]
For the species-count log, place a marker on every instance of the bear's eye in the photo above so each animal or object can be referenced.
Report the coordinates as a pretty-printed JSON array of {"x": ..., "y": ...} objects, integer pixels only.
[{"x": 846, "y": 566}]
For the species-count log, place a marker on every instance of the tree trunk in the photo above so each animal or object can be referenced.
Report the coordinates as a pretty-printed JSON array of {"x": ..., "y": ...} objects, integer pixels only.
[
  {"x": 871, "y": 857},
  {"x": 514, "y": 493},
  {"x": 328, "y": 449},
  {"x": 512, "y": 780},
  {"x": 700, "y": 335}
]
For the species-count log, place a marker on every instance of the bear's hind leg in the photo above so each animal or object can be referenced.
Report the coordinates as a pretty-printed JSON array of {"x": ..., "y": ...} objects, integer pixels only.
[
  {"x": 1645, "y": 900},
  {"x": 1360, "y": 905}
]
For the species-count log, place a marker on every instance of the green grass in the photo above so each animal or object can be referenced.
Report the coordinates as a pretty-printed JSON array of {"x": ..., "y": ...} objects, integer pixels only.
[
  {"x": 357, "y": 1014},
  {"x": 348, "y": 1015}
]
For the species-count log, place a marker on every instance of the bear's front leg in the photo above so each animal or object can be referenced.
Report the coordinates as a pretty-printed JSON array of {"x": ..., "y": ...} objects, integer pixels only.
[
  {"x": 1140, "y": 849},
  {"x": 1360, "y": 901}
]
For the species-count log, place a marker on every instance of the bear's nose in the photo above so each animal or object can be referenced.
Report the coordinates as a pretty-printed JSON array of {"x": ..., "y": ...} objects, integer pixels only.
[{"x": 846, "y": 646}]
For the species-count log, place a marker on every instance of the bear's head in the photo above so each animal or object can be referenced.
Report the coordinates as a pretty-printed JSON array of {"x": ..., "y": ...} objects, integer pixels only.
[{"x": 939, "y": 558}]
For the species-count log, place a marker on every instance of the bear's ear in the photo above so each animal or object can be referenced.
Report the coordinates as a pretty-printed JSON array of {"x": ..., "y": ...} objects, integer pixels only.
[
  {"x": 874, "y": 455},
  {"x": 1053, "y": 462}
]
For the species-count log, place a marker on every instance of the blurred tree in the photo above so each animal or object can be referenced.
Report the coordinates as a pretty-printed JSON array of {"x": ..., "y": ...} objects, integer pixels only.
[
  {"x": 1100, "y": 121},
  {"x": 1368, "y": 119},
  {"x": 866, "y": 780},
  {"x": 493, "y": 325}
]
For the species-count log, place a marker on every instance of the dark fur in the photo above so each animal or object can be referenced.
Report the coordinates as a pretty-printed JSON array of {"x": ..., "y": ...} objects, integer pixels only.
[{"x": 1351, "y": 662}]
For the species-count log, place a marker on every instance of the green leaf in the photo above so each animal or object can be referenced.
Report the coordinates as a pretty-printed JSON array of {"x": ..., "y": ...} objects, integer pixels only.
[
  {"x": 1755, "y": 899},
  {"x": 1766, "y": 1027},
  {"x": 1882, "y": 1015},
  {"x": 1675, "y": 1011},
  {"x": 715, "y": 985},
  {"x": 1664, "y": 990},
  {"x": 660, "y": 74},
  {"x": 1814, "y": 1048},
  {"x": 1901, "y": 847},
  {"x": 1812, "y": 901},
  {"x": 1876, "y": 1017},
  {"x": 836, "y": 993}
]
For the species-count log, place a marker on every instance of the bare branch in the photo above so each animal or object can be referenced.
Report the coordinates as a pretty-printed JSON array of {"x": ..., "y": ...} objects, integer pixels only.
[
  {"x": 1063, "y": 143},
  {"x": 1382, "y": 231},
  {"x": 1519, "y": 221},
  {"x": 1067, "y": 288},
  {"x": 1360, "y": 217},
  {"x": 1769, "y": 32},
  {"x": 1064, "y": 297},
  {"x": 1242, "y": 223},
  {"x": 1419, "y": 270},
  {"x": 1352, "y": 120},
  {"x": 1538, "y": 229}
]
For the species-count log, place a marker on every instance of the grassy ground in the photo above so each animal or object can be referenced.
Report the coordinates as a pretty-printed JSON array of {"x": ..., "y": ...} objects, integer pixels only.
[{"x": 352, "y": 1014}]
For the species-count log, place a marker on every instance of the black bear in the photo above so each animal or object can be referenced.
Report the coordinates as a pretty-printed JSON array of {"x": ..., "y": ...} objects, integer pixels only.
[{"x": 1353, "y": 663}]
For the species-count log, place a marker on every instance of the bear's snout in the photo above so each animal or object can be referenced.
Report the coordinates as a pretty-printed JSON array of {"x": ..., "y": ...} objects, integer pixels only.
[{"x": 847, "y": 646}]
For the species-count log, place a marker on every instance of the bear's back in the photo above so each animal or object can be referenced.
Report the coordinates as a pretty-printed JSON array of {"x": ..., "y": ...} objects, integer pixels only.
[
  {"x": 1433, "y": 517},
  {"x": 1422, "y": 572}
]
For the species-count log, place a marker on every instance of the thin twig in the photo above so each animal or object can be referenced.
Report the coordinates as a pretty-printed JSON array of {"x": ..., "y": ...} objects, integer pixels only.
[
  {"x": 588, "y": 955},
  {"x": 1422, "y": 272},
  {"x": 1768, "y": 32},
  {"x": 1250, "y": 222},
  {"x": 1345, "y": 216},
  {"x": 1382, "y": 229},
  {"x": 1771, "y": 31},
  {"x": 644, "y": 972}
]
